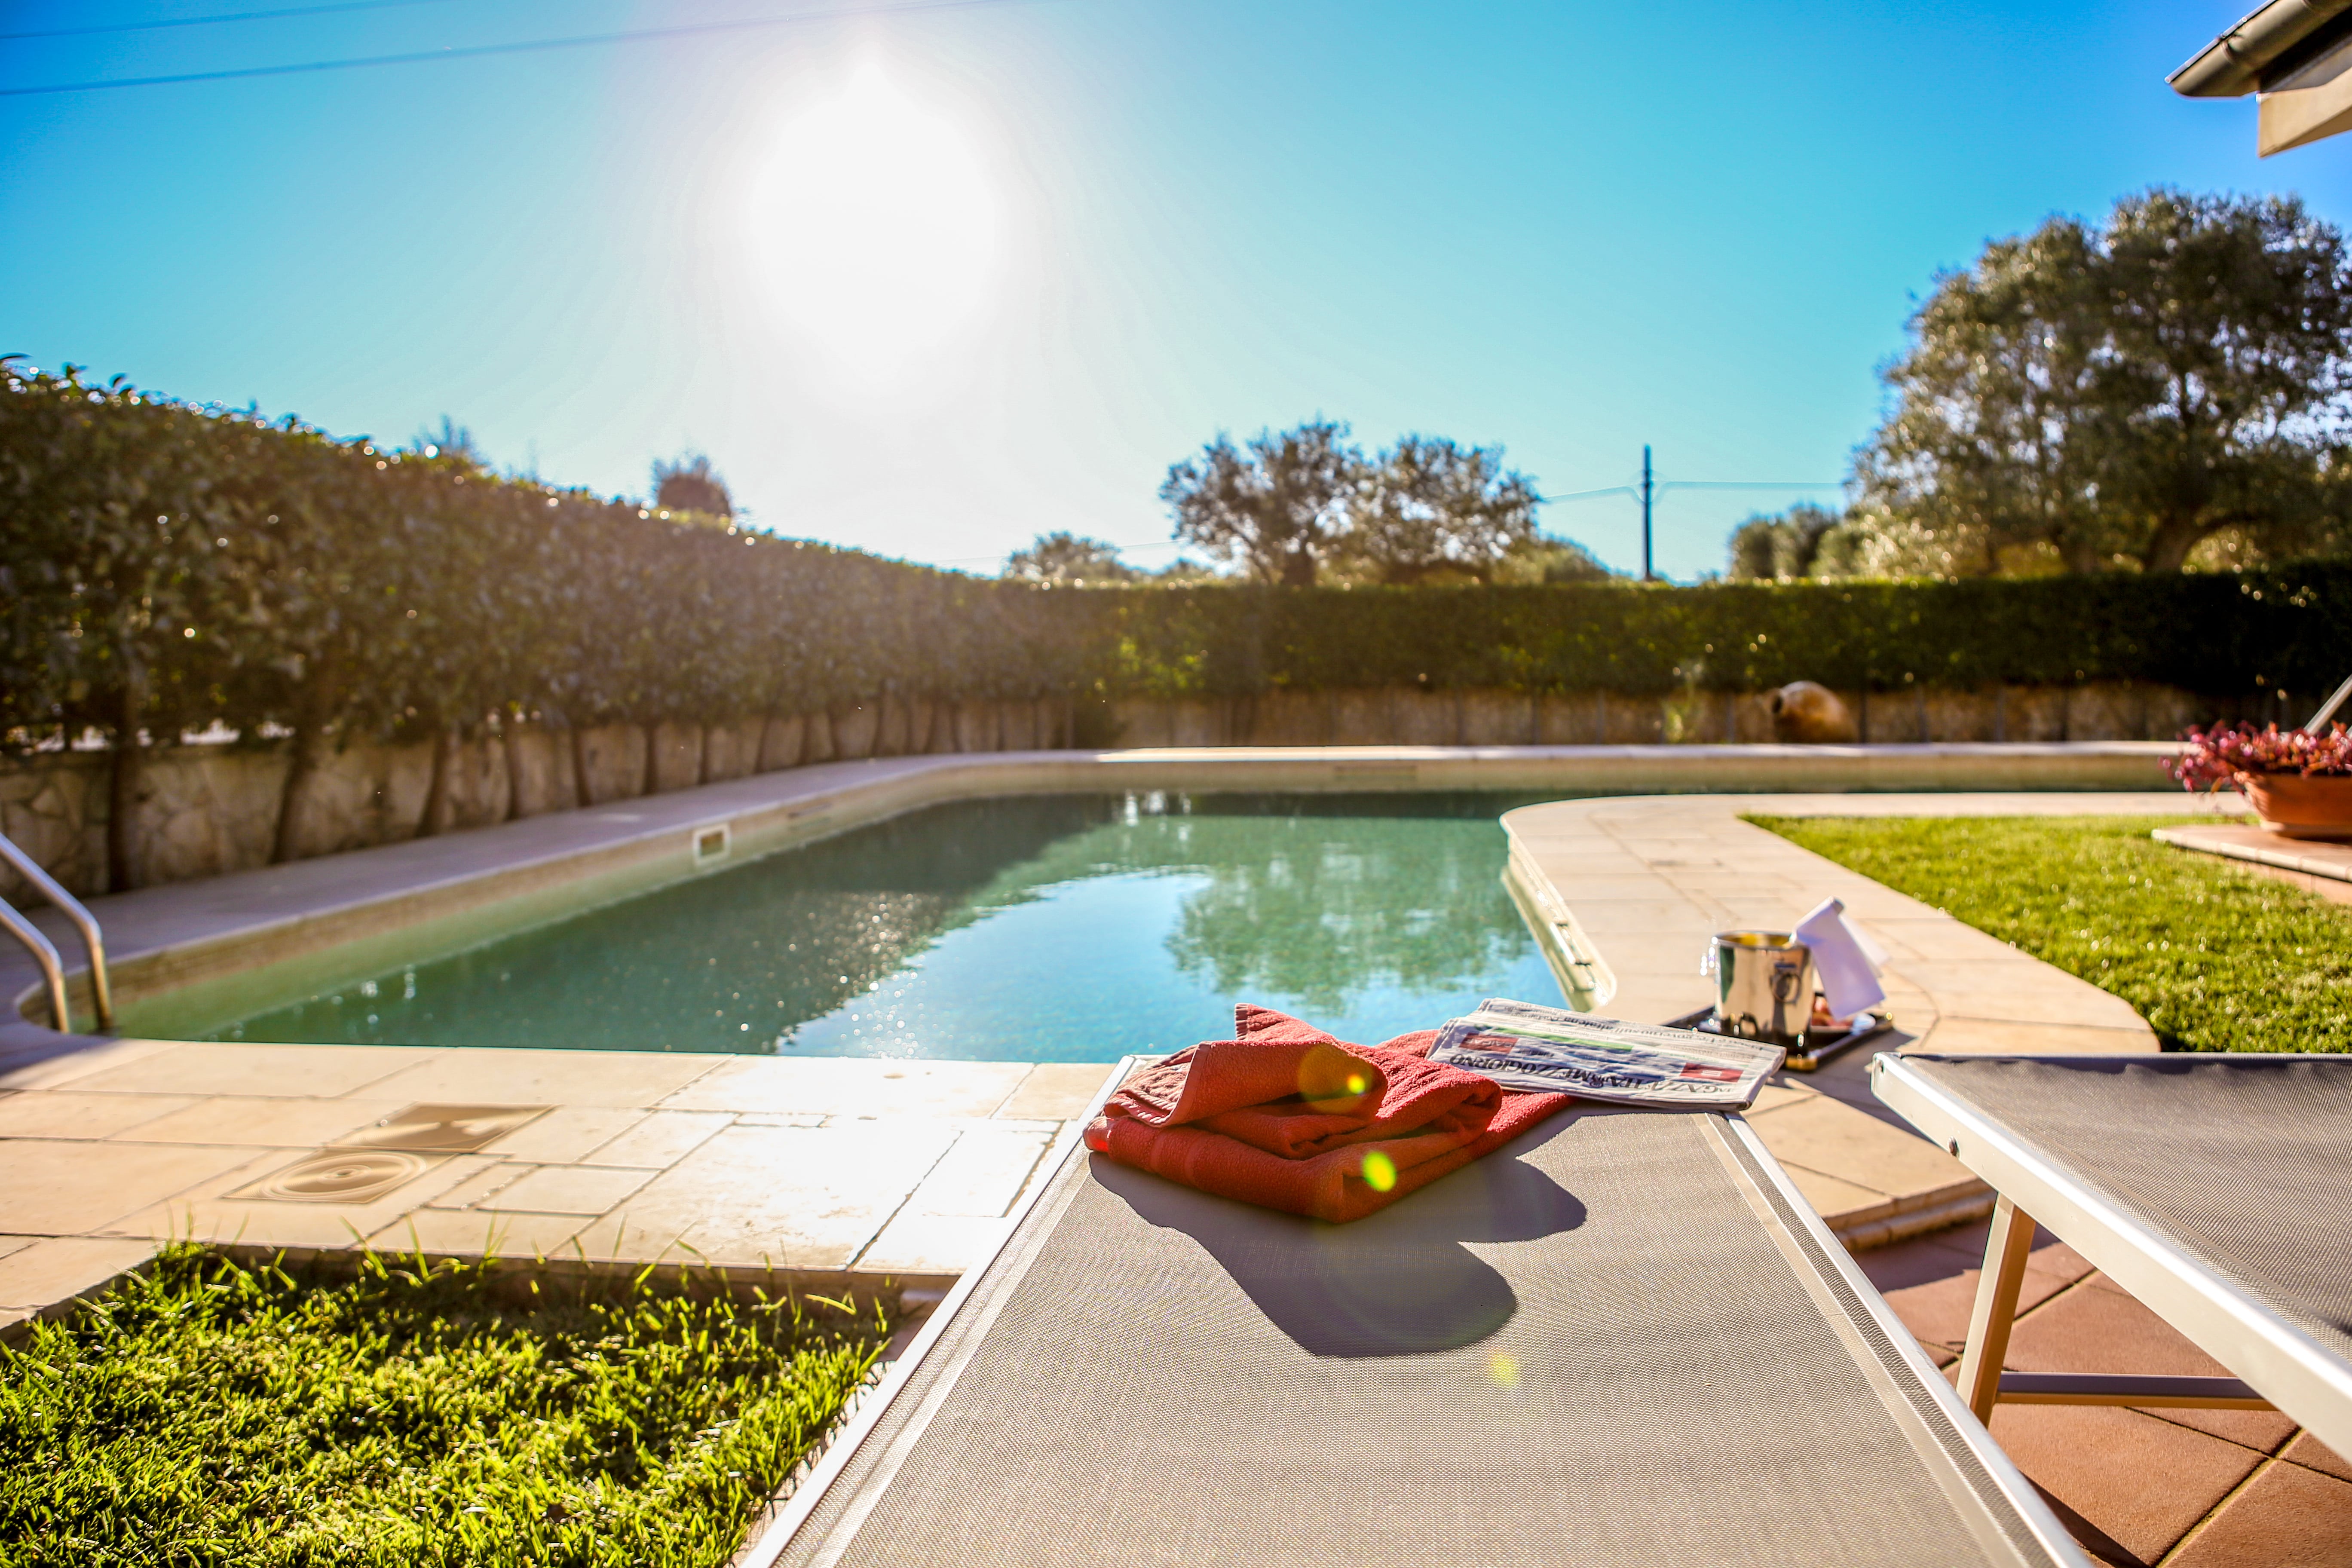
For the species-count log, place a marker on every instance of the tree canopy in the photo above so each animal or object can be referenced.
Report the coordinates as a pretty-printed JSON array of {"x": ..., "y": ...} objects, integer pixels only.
[
  {"x": 1429, "y": 506},
  {"x": 2117, "y": 396},
  {"x": 690, "y": 484},
  {"x": 1290, "y": 504},
  {"x": 1781, "y": 548},
  {"x": 1066, "y": 557},
  {"x": 1279, "y": 505}
]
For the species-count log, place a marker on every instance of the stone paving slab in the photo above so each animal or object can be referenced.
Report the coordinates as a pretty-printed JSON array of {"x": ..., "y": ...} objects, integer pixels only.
[
  {"x": 838, "y": 1167},
  {"x": 824, "y": 1167},
  {"x": 2314, "y": 865}
]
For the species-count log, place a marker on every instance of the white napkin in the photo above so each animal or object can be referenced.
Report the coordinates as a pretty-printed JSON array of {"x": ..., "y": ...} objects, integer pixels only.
[{"x": 1845, "y": 960}]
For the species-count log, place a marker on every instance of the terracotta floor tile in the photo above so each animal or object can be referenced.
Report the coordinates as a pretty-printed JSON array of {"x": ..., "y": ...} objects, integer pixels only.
[
  {"x": 2144, "y": 1482},
  {"x": 2287, "y": 1516},
  {"x": 2313, "y": 1455},
  {"x": 2101, "y": 1330},
  {"x": 1936, "y": 1311},
  {"x": 66, "y": 1114}
]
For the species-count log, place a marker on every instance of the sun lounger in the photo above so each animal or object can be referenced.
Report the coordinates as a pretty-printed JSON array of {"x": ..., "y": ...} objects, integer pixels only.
[
  {"x": 1623, "y": 1338},
  {"x": 2216, "y": 1189}
]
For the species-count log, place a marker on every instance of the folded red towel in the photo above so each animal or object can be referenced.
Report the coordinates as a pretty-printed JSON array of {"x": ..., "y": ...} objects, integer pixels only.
[
  {"x": 1327, "y": 1160},
  {"x": 1278, "y": 1059},
  {"x": 1421, "y": 1096}
]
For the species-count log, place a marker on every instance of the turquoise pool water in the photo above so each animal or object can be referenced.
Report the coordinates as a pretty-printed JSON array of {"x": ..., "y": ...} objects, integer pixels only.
[{"x": 1038, "y": 928}]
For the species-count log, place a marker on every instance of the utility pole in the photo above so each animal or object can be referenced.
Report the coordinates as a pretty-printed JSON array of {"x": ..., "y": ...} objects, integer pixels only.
[{"x": 1647, "y": 574}]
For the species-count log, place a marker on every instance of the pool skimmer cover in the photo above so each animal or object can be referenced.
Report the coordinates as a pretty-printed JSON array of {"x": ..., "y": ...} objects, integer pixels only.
[
  {"x": 340, "y": 1176},
  {"x": 371, "y": 1163}
]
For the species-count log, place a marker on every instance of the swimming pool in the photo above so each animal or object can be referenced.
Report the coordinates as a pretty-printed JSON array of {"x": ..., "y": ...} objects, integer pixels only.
[{"x": 1031, "y": 928}]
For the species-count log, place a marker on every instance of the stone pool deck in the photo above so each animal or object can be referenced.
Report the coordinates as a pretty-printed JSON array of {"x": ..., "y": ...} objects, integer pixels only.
[
  {"x": 832, "y": 1169},
  {"x": 2314, "y": 865}
]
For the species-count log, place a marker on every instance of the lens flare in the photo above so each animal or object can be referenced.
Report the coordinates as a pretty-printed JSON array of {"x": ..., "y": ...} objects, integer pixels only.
[
  {"x": 1503, "y": 1370},
  {"x": 1380, "y": 1172}
]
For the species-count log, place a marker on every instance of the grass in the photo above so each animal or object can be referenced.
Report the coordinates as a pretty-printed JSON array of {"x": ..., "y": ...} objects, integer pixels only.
[
  {"x": 211, "y": 1412},
  {"x": 2215, "y": 958}
]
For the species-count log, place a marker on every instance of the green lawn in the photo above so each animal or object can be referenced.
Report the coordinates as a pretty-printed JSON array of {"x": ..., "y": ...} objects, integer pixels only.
[
  {"x": 211, "y": 1413},
  {"x": 2215, "y": 958}
]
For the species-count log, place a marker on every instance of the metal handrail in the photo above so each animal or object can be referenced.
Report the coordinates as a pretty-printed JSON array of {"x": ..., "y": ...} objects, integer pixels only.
[
  {"x": 93, "y": 939},
  {"x": 45, "y": 954}
]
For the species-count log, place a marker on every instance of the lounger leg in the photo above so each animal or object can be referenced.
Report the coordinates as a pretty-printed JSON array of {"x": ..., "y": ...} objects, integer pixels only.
[{"x": 1996, "y": 1307}]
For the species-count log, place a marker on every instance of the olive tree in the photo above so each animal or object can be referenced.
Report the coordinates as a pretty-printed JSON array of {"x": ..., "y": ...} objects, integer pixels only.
[
  {"x": 1429, "y": 506},
  {"x": 1279, "y": 504},
  {"x": 2118, "y": 395}
]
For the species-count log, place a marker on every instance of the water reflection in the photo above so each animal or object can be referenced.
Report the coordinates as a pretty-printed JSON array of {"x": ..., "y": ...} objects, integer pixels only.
[{"x": 1035, "y": 928}]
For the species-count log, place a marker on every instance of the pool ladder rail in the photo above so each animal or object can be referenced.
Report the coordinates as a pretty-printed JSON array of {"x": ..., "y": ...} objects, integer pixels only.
[{"x": 45, "y": 953}]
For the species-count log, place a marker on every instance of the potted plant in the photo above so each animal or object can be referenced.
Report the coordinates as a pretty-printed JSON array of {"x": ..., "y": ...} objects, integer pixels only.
[{"x": 2300, "y": 783}]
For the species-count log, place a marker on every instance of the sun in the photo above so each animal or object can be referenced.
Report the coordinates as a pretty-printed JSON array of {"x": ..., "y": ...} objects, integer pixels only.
[{"x": 875, "y": 227}]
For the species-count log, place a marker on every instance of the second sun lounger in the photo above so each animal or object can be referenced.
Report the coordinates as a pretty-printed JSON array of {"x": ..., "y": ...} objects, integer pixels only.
[
  {"x": 1623, "y": 1339},
  {"x": 2216, "y": 1188}
]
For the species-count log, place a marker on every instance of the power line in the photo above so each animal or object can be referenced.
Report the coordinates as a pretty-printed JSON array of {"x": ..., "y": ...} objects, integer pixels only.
[
  {"x": 214, "y": 21},
  {"x": 477, "y": 51},
  {"x": 1693, "y": 485},
  {"x": 1744, "y": 485}
]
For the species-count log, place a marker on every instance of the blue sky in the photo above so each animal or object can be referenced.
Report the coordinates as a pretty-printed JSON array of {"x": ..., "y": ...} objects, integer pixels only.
[{"x": 930, "y": 282}]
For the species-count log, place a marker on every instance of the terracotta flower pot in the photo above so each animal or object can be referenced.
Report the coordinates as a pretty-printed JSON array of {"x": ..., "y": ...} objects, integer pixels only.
[{"x": 2294, "y": 807}]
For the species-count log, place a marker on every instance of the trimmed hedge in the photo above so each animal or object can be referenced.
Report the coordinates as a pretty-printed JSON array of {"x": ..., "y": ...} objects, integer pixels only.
[
  {"x": 162, "y": 567},
  {"x": 2218, "y": 634}
]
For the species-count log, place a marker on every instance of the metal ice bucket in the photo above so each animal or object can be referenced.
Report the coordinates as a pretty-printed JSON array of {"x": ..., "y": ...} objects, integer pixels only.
[{"x": 1763, "y": 986}]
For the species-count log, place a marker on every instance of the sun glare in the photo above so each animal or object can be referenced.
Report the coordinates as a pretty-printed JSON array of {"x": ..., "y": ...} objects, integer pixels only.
[{"x": 875, "y": 227}]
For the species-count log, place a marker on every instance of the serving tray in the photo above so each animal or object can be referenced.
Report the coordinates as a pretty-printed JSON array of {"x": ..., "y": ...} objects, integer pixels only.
[{"x": 1820, "y": 1045}]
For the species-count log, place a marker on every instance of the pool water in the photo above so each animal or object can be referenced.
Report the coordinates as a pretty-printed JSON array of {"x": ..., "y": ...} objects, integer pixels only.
[{"x": 1036, "y": 928}]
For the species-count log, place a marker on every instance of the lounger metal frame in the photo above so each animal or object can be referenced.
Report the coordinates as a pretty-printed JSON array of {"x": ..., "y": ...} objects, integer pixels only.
[
  {"x": 2278, "y": 1365},
  {"x": 1941, "y": 1421},
  {"x": 763, "y": 1552}
]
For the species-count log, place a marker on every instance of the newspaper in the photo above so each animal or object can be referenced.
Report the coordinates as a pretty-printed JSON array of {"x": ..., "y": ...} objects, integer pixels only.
[{"x": 1522, "y": 1046}]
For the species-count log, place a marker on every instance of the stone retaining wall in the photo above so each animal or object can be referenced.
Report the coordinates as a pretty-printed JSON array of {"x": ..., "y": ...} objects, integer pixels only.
[{"x": 209, "y": 809}]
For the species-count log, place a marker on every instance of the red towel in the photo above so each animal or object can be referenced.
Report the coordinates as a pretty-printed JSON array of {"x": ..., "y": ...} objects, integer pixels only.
[{"x": 1336, "y": 1158}]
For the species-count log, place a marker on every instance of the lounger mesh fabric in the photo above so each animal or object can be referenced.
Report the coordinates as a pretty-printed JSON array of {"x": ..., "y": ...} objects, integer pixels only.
[
  {"x": 1588, "y": 1347},
  {"x": 2243, "y": 1163}
]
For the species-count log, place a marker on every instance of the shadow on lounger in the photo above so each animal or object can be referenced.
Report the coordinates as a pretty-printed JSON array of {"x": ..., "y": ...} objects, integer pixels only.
[{"x": 1399, "y": 1282}]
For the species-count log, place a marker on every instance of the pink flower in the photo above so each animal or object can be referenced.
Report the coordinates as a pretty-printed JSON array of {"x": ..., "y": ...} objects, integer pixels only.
[{"x": 2211, "y": 757}]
